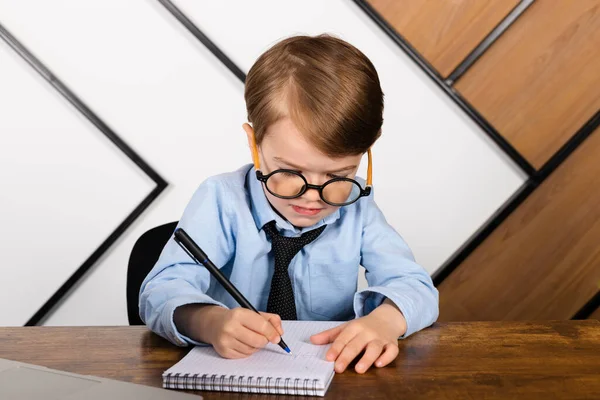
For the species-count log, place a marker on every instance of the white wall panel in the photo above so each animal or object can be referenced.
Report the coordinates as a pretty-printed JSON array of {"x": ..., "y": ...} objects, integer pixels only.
[
  {"x": 160, "y": 89},
  {"x": 65, "y": 188}
]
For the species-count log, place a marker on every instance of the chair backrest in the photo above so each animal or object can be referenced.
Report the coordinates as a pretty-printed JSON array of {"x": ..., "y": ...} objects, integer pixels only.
[{"x": 143, "y": 256}]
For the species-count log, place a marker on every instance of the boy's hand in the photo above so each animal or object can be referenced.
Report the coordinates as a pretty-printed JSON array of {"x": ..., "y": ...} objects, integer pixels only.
[
  {"x": 235, "y": 333},
  {"x": 238, "y": 333},
  {"x": 377, "y": 334}
]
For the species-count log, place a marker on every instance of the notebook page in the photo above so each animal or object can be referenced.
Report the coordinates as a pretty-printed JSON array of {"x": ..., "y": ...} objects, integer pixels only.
[{"x": 307, "y": 360}]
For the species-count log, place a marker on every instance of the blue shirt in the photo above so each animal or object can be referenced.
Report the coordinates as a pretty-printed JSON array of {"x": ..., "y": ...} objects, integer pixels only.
[{"x": 225, "y": 217}]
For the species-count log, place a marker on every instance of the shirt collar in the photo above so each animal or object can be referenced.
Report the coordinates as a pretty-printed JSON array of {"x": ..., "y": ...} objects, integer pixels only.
[{"x": 262, "y": 212}]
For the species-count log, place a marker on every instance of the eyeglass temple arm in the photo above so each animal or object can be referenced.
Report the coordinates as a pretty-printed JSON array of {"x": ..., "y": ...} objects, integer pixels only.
[
  {"x": 256, "y": 161},
  {"x": 254, "y": 150},
  {"x": 369, "y": 169}
]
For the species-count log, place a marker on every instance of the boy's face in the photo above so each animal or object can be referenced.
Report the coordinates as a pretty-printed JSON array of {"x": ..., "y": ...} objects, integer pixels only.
[{"x": 284, "y": 147}]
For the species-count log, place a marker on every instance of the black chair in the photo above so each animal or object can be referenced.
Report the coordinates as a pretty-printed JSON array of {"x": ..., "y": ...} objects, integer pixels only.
[{"x": 143, "y": 256}]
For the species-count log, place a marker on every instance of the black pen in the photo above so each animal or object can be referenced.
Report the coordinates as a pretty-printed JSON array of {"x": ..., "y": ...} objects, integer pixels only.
[{"x": 196, "y": 253}]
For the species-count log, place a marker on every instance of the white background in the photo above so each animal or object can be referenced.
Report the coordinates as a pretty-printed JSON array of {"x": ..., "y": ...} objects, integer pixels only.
[{"x": 437, "y": 176}]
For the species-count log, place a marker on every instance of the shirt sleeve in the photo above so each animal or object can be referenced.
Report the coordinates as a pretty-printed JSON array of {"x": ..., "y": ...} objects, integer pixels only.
[
  {"x": 176, "y": 280},
  {"x": 392, "y": 273}
]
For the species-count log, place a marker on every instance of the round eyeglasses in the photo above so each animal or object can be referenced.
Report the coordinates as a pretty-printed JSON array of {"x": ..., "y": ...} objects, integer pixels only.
[{"x": 290, "y": 184}]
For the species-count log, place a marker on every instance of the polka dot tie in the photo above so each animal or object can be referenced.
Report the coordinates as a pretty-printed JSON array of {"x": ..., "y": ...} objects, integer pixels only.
[{"x": 281, "y": 298}]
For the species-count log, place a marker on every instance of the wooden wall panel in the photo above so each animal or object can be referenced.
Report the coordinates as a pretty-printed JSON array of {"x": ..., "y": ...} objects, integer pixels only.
[
  {"x": 540, "y": 81},
  {"x": 443, "y": 31},
  {"x": 543, "y": 261}
]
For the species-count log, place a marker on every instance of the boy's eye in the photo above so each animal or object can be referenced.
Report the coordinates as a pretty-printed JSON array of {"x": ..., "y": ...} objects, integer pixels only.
[{"x": 332, "y": 176}]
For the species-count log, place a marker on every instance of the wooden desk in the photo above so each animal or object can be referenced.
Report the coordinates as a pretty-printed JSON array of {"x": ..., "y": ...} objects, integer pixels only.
[{"x": 492, "y": 360}]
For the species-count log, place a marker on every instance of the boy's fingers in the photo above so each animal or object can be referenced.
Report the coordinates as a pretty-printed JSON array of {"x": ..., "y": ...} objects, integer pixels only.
[
  {"x": 261, "y": 325},
  {"x": 251, "y": 338},
  {"x": 243, "y": 348},
  {"x": 349, "y": 353},
  {"x": 275, "y": 320},
  {"x": 389, "y": 354},
  {"x": 345, "y": 337},
  {"x": 230, "y": 353},
  {"x": 327, "y": 336},
  {"x": 372, "y": 352}
]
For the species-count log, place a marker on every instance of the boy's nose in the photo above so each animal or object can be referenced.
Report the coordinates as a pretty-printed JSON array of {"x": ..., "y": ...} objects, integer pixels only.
[{"x": 311, "y": 195}]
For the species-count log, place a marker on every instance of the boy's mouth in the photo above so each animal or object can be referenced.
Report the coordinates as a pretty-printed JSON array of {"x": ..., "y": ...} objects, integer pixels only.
[{"x": 306, "y": 211}]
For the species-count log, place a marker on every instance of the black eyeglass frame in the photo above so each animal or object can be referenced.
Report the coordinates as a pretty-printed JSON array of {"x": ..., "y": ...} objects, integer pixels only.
[{"x": 363, "y": 191}]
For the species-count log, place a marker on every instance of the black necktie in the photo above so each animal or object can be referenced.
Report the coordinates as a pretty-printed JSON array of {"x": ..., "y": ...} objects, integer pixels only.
[{"x": 281, "y": 298}]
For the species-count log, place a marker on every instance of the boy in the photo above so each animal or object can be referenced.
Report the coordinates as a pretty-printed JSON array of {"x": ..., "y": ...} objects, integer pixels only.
[{"x": 291, "y": 231}]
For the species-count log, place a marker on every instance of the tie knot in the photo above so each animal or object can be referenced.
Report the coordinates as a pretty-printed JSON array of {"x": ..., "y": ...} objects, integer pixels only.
[{"x": 292, "y": 242}]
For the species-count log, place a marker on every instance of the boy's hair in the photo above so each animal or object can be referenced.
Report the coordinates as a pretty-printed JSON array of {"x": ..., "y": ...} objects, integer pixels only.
[{"x": 328, "y": 88}]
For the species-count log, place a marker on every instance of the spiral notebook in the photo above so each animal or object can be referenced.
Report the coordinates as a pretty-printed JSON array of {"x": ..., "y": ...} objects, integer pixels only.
[{"x": 270, "y": 370}]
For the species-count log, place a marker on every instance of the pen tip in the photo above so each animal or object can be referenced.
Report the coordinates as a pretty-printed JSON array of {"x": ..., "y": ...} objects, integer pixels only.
[{"x": 288, "y": 350}]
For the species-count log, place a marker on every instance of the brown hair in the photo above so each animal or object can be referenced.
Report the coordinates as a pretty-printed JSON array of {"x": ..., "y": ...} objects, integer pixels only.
[{"x": 328, "y": 88}]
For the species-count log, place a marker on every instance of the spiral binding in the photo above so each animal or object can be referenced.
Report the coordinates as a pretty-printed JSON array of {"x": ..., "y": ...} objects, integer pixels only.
[{"x": 233, "y": 383}]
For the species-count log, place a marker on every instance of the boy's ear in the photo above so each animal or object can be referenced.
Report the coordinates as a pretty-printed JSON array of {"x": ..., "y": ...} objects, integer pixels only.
[
  {"x": 249, "y": 133},
  {"x": 251, "y": 144}
]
